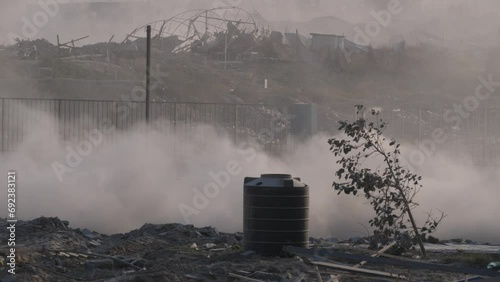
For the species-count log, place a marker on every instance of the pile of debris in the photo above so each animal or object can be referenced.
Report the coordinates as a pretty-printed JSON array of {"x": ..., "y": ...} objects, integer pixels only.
[
  {"x": 33, "y": 49},
  {"x": 48, "y": 250}
]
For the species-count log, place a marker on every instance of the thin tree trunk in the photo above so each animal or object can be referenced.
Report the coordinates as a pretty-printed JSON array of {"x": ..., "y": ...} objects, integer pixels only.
[
  {"x": 415, "y": 228},
  {"x": 407, "y": 205}
]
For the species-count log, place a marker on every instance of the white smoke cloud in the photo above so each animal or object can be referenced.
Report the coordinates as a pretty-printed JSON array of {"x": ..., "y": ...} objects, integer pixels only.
[
  {"x": 147, "y": 175},
  {"x": 143, "y": 178}
]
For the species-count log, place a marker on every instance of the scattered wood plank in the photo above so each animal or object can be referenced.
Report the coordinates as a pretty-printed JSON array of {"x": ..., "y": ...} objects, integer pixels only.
[
  {"x": 479, "y": 279},
  {"x": 377, "y": 254},
  {"x": 337, "y": 275},
  {"x": 301, "y": 277},
  {"x": 266, "y": 276},
  {"x": 57, "y": 273},
  {"x": 64, "y": 254},
  {"x": 219, "y": 249},
  {"x": 135, "y": 277},
  {"x": 359, "y": 270},
  {"x": 244, "y": 277},
  {"x": 120, "y": 261},
  {"x": 191, "y": 276},
  {"x": 333, "y": 278},
  {"x": 494, "y": 279},
  {"x": 103, "y": 256},
  {"x": 94, "y": 243},
  {"x": 318, "y": 274},
  {"x": 243, "y": 272},
  {"x": 390, "y": 261}
]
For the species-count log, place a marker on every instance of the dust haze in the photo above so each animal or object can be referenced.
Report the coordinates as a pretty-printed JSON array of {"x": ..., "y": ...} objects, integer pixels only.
[
  {"x": 141, "y": 178},
  {"x": 456, "y": 21}
]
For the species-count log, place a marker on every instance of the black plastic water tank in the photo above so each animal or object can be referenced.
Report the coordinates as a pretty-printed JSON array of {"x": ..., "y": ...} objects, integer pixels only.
[{"x": 275, "y": 213}]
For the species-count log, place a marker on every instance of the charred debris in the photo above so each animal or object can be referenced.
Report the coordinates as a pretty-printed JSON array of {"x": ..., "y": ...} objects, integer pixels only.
[{"x": 49, "y": 249}]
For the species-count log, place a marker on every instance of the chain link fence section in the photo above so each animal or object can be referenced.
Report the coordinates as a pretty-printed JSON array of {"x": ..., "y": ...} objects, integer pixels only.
[
  {"x": 478, "y": 135},
  {"x": 263, "y": 125}
]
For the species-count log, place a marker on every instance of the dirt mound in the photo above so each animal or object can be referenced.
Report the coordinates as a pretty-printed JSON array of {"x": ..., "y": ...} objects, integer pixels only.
[{"x": 48, "y": 250}]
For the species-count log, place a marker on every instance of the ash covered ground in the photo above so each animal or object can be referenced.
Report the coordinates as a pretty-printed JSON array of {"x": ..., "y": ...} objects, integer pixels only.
[{"x": 49, "y": 250}]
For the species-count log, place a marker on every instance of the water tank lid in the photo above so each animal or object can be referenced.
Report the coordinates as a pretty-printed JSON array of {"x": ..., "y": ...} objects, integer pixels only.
[
  {"x": 275, "y": 181},
  {"x": 276, "y": 176}
]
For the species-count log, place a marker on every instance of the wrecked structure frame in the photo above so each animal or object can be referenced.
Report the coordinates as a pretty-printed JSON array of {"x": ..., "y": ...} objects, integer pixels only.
[{"x": 198, "y": 26}]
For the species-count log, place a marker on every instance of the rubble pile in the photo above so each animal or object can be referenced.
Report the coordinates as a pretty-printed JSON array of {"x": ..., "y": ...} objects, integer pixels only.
[
  {"x": 48, "y": 250},
  {"x": 33, "y": 49}
]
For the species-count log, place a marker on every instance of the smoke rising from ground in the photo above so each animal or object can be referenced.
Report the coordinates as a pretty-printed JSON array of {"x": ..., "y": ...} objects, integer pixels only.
[{"x": 146, "y": 176}]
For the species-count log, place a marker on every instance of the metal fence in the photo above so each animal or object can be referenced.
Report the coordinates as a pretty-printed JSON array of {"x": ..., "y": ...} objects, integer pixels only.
[
  {"x": 269, "y": 126},
  {"x": 477, "y": 134},
  {"x": 74, "y": 119}
]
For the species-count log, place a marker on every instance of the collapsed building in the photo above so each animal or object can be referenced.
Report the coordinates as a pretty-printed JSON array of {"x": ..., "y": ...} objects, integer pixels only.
[{"x": 224, "y": 34}]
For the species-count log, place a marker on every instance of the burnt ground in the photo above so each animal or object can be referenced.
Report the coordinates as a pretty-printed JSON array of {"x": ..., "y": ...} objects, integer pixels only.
[{"x": 48, "y": 250}]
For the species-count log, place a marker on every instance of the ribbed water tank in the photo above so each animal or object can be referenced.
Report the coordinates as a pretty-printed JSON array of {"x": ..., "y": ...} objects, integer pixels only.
[{"x": 275, "y": 213}]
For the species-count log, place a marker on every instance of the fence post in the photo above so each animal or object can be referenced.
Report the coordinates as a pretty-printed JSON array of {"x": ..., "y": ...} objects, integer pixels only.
[
  {"x": 484, "y": 135},
  {"x": 60, "y": 124},
  {"x": 175, "y": 117},
  {"x": 148, "y": 72},
  {"x": 419, "y": 127},
  {"x": 235, "y": 124},
  {"x": 3, "y": 122},
  {"x": 175, "y": 128}
]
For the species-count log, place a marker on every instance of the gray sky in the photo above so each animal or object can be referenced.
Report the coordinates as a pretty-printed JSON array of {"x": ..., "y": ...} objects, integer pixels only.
[{"x": 29, "y": 19}]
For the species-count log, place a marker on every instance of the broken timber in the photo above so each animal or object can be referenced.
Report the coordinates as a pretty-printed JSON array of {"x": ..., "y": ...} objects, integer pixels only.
[
  {"x": 244, "y": 277},
  {"x": 389, "y": 261},
  {"x": 72, "y": 42},
  {"x": 359, "y": 270},
  {"x": 383, "y": 250}
]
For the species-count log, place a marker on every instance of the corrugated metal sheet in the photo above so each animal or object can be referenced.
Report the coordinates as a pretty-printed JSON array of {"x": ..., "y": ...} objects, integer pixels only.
[{"x": 355, "y": 47}]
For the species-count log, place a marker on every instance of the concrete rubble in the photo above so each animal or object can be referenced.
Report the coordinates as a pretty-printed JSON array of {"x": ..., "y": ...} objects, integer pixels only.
[{"x": 49, "y": 250}]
